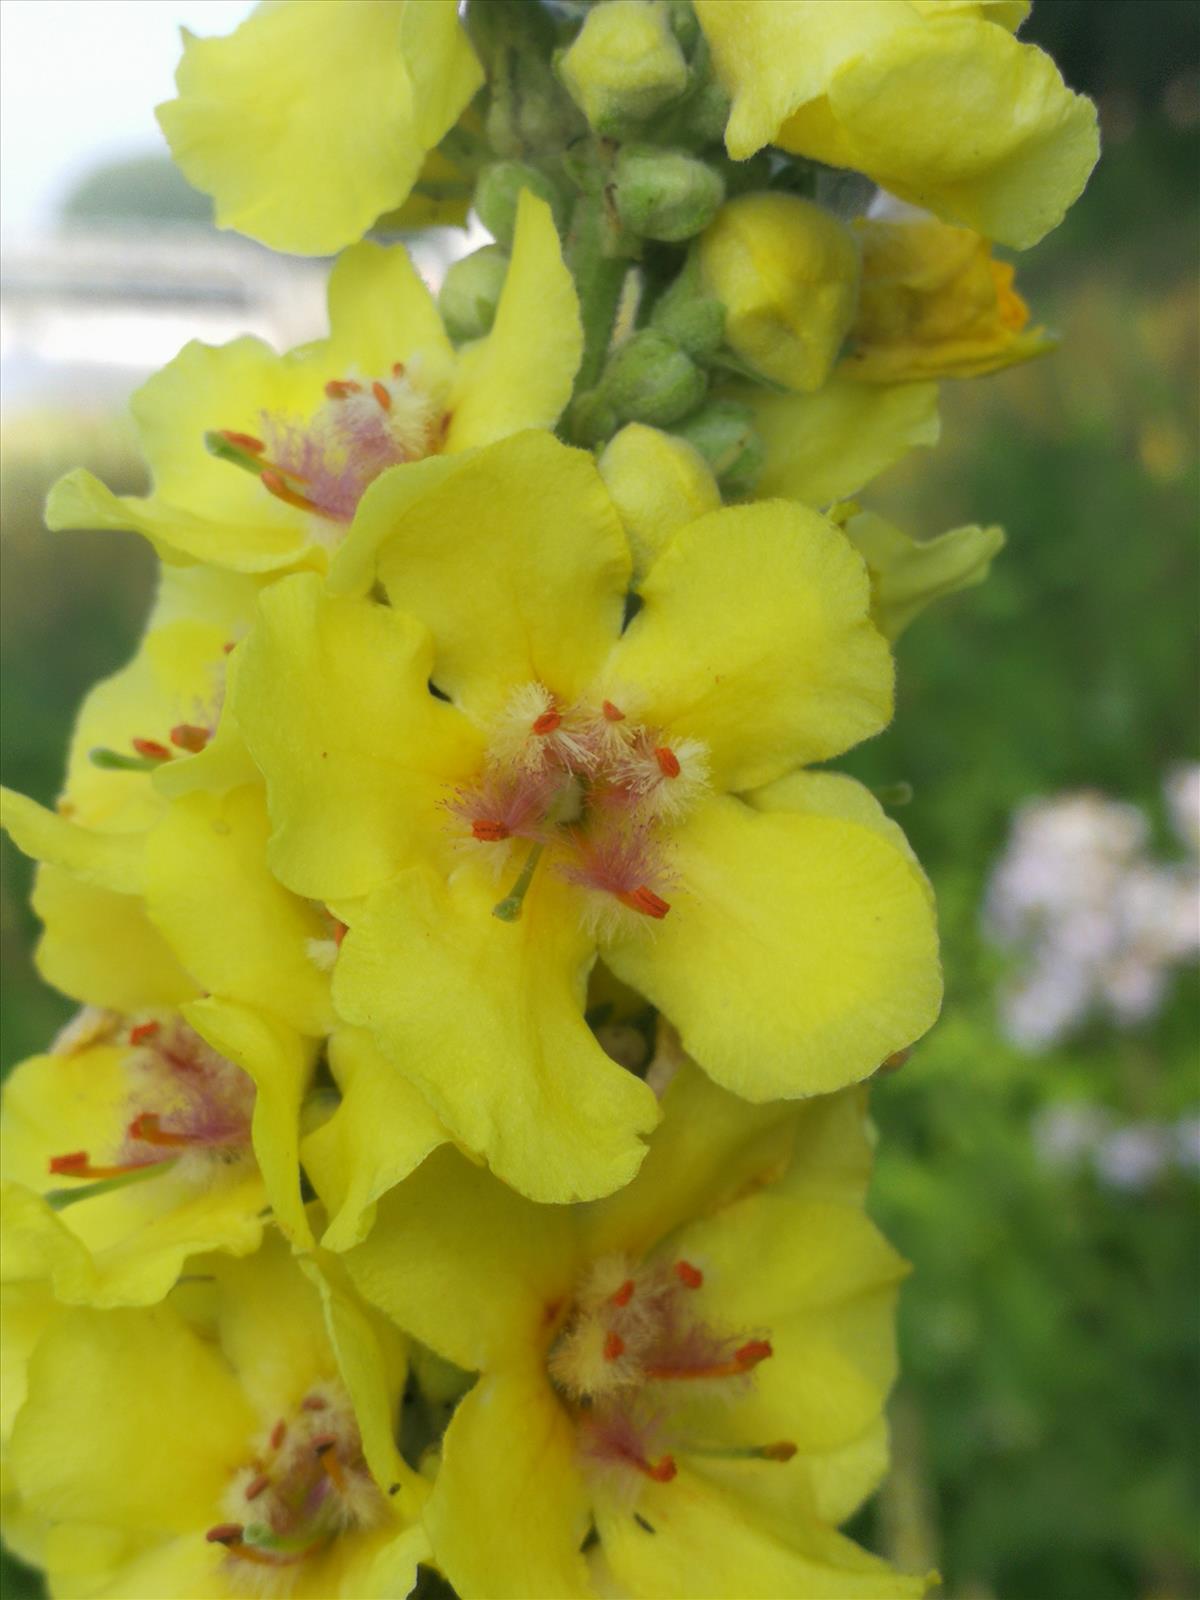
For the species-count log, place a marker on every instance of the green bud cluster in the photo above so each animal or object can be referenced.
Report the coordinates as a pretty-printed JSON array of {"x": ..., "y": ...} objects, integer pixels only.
[{"x": 471, "y": 292}]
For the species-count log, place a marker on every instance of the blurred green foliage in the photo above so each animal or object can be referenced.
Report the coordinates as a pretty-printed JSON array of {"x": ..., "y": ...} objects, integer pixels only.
[{"x": 1044, "y": 1425}]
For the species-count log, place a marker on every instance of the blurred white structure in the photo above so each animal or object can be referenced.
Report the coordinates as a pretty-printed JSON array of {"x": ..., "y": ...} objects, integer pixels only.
[
  {"x": 1130, "y": 1156},
  {"x": 1093, "y": 923}
]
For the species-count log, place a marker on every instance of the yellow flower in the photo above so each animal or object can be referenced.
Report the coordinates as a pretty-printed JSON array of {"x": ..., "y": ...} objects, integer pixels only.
[
  {"x": 194, "y": 895},
  {"x": 909, "y": 574},
  {"x": 299, "y": 438},
  {"x": 934, "y": 303},
  {"x": 787, "y": 274},
  {"x": 938, "y": 104},
  {"x": 310, "y": 121},
  {"x": 233, "y": 1442},
  {"x": 681, "y": 1387},
  {"x": 575, "y": 786}
]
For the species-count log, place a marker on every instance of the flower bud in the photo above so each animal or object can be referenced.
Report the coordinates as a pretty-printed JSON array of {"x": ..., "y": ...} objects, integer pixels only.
[
  {"x": 650, "y": 379},
  {"x": 471, "y": 291},
  {"x": 665, "y": 194},
  {"x": 592, "y": 418},
  {"x": 787, "y": 273},
  {"x": 724, "y": 434},
  {"x": 624, "y": 65},
  {"x": 658, "y": 483},
  {"x": 686, "y": 314},
  {"x": 499, "y": 190}
]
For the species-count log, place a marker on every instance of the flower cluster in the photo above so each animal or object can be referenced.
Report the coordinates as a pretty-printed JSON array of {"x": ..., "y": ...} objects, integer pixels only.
[{"x": 460, "y": 1157}]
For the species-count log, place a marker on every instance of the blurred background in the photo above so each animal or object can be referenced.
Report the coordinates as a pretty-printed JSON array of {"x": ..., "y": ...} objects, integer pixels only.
[{"x": 1040, "y": 1151}]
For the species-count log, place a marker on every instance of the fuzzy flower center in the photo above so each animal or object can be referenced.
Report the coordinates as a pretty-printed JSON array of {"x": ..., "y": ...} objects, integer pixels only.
[
  {"x": 634, "y": 1349},
  {"x": 591, "y": 788},
  {"x": 324, "y": 464},
  {"x": 306, "y": 1482},
  {"x": 187, "y": 1108}
]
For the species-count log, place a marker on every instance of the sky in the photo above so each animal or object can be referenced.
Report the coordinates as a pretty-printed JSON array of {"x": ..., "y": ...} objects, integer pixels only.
[{"x": 79, "y": 80}]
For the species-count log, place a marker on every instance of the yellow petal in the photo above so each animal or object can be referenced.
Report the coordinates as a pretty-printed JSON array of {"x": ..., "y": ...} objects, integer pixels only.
[
  {"x": 709, "y": 1147},
  {"x": 909, "y": 574},
  {"x": 133, "y": 1475},
  {"x": 528, "y": 587},
  {"x": 509, "y": 1510},
  {"x": 520, "y": 375},
  {"x": 332, "y": 699},
  {"x": 106, "y": 860},
  {"x": 486, "y": 1017},
  {"x": 381, "y": 312},
  {"x": 238, "y": 931},
  {"x": 381, "y": 1131},
  {"x": 281, "y": 148},
  {"x": 705, "y": 1545},
  {"x": 465, "y": 1264},
  {"x": 821, "y": 928},
  {"x": 658, "y": 483},
  {"x": 100, "y": 947},
  {"x": 825, "y": 446},
  {"x": 832, "y": 794},
  {"x": 808, "y": 680},
  {"x": 280, "y": 1062},
  {"x": 352, "y": 570}
]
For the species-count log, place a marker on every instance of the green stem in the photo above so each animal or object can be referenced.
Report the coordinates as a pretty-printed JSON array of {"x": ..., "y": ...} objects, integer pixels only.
[
  {"x": 509, "y": 909},
  {"x": 598, "y": 276}
]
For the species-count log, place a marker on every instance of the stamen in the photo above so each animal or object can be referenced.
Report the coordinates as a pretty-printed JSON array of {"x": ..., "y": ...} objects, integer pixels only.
[
  {"x": 742, "y": 1361},
  {"x": 151, "y": 749},
  {"x": 644, "y": 900},
  {"x": 614, "y": 1346},
  {"x": 314, "y": 1402},
  {"x": 490, "y": 832},
  {"x": 397, "y": 369},
  {"x": 189, "y": 736},
  {"x": 689, "y": 1276},
  {"x": 624, "y": 1294},
  {"x": 117, "y": 761},
  {"x": 226, "y": 1533},
  {"x": 77, "y": 1165},
  {"x": 612, "y": 713},
  {"x": 781, "y": 1450},
  {"x": 341, "y": 388},
  {"x": 383, "y": 398},
  {"x": 509, "y": 909},
  {"x": 143, "y": 1031},
  {"x": 661, "y": 1471},
  {"x": 145, "y": 1126},
  {"x": 245, "y": 441},
  {"x": 668, "y": 761},
  {"x": 274, "y": 484},
  {"x": 548, "y": 721},
  {"x": 278, "y": 1434},
  {"x": 239, "y": 449},
  {"x": 254, "y": 1489}
]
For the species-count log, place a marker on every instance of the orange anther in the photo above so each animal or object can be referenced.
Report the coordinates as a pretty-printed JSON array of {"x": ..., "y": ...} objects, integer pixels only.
[
  {"x": 382, "y": 396},
  {"x": 77, "y": 1165},
  {"x": 614, "y": 1346},
  {"x": 752, "y": 1353},
  {"x": 895, "y": 1061},
  {"x": 783, "y": 1451},
  {"x": 230, "y": 644},
  {"x": 244, "y": 441},
  {"x": 146, "y": 1127},
  {"x": 612, "y": 713},
  {"x": 142, "y": 1032},
  {"x": 225, "y": 1533},
  {"x": 644, "y": 900},
  {"x": 624, "y": 1294},
  {"x": 340, "y": 930},
  {"x": 151, "y": 749},
  {"x": 69, "y": 1163},
  {"x": 259, "y": 1484},
  {"x": 548, "y": 721},
  {"x": 661, "y": 1471},
  {"x": 689, "y": 1276},
  {"x": 339, "y": 388},
  {"x": 189, "y": 736},
  {"x": 397, "y": 369},
  {"x": 325, "y": 1449},
  {"x": 313, "y": 1402},
  {"x": 274, "y": 484},
  {"x": 489, "y": 832},
  {"x": 668, "y": 761},
  {"x": 278, "y": 1434}
]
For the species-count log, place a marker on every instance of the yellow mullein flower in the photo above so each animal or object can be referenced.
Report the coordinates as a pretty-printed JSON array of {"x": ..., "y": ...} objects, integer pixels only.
[
  {"x": 298, "y": 438},
  {"x": 196, "y": 894},
  {"x": 786, "y": 272},
  {"x": 575, "y": 786},
  {"x": 934, "y": 303},
  {"x": 242, "y": 1444},
  {"x": 309, "y": 121},
  {"x": 680, "y": 1388},
  {"x": 938, "y": 104}
]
